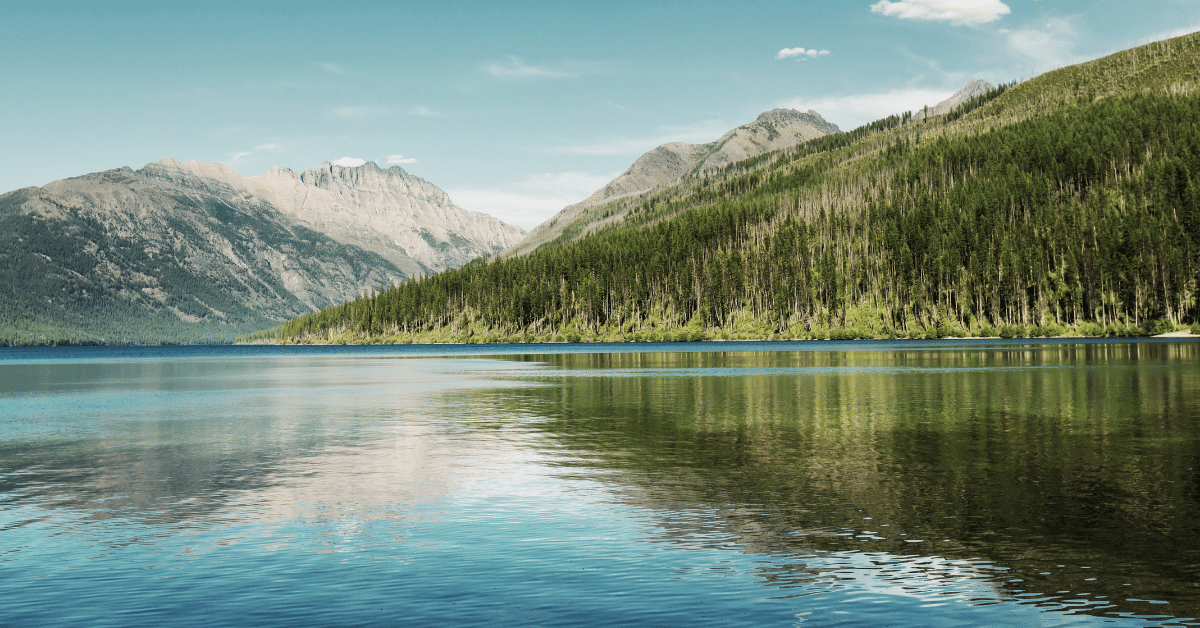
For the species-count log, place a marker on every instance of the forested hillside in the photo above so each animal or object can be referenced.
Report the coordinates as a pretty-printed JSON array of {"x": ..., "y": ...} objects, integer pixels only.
[{"x": 1065, "y": 204}]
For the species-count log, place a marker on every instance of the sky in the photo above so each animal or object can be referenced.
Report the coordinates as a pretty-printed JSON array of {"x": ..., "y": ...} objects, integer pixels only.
[{"x": 515, "y": 108}]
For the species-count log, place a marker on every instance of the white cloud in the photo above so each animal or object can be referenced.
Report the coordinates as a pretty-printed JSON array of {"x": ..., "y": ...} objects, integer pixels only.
[
  {"x": 401, "y": 159},
  {"x": 332, "y": 68},
  {"x": 854, "y": 110},
  {"x": 956, "y": 12},
  {"x": 698, "y": 133},
  {"x": 349, "y": 162},
  {"x": 534, "y": 199},
  {"x": 267, "y": 147},
  {"x": 1051, "y": 46},
  {"x": 788, "y": 53},
  {"x": 422, "y": 110},
  {"x": 515, "y": 70}
]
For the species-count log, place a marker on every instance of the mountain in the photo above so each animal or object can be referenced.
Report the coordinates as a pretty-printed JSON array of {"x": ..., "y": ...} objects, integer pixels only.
[
  {"x": 1066, "y": 204},
  {"x": 194, "y": 252},
  {"x": 973, "y": 89},
  {"x": 403, "y": 218},
  {"x": 772, "y": 130}
]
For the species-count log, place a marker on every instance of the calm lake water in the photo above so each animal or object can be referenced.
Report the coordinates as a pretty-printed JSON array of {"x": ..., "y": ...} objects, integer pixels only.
[{"x": 962, "y": 483}]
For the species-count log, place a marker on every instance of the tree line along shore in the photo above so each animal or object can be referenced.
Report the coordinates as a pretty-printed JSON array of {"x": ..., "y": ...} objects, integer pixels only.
[{"x": 1068, "y": 205}]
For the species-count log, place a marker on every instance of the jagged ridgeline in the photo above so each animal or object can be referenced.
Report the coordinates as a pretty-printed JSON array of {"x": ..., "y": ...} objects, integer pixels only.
[
  {"x": 196, "y": 253},
  {"x": 1068, "y": 203}
]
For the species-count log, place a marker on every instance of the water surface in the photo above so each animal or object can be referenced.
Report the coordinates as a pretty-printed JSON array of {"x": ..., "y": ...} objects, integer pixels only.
[{"x": 861, "y": 484}]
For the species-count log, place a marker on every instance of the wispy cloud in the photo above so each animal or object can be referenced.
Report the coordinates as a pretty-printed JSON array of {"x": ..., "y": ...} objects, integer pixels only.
[
  {"x": 369, "y": 112},
  {"x": 853, "y": 110},
  {"x": 333, "y": 68},
  {"x": 534, "y": 199},
  {"x": 422, "y": 110},
  {"x": 359, "y": 112},
  {"x": 698, "y": 133},
  {"x": 240, "y": 157},
  {"x": 514, "y": 69},
  {"x": 1167, "y": 34},
  {"x": 956, "y": 12},
  {"x": 349, "y": 162},
  {"x": 1051, "y": 46},
  {"x": 789, "y": 53},
  {"x": 401, "y": 159}
]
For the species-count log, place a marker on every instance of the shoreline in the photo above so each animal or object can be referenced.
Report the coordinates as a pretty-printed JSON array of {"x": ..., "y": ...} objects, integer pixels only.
[
  {"x": 1180, "y": 335},
  {"x": 1184, "y": 335}
]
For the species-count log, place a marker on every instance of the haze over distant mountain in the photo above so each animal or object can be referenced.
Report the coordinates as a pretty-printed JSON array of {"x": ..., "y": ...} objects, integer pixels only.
[
  {"x": 142, "y": 255},
  {"x": 969, "y": 91},
  {"x": 401, "y": 217},
  {"x": 665, "y": 165}
]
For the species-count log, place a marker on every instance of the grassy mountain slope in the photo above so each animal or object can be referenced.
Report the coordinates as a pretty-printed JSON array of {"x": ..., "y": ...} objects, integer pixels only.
[{"x": 1065, "y": 203}]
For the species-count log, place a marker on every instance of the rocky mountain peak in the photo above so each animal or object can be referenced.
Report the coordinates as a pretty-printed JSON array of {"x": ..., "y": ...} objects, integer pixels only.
[
  {"x": 405, "y": 219},
  {"x": 781, "y": 114},
  {"x": 396, "y": 209},
  {"x": 172, "y": 169},
  {"x": 774, "y": 113},
  {"x": 798, "y": 119},
  {"x": 972, "y": 89},
  {"x": 771, "y": 130},
  {"x": 975, "y": 88}
]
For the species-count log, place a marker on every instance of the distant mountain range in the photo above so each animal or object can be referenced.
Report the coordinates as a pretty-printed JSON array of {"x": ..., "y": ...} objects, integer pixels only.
[
  {"x": 195, "y": 252},
  {"x": 772, "y": 130},
  {"x": 1062, "y": 205}
]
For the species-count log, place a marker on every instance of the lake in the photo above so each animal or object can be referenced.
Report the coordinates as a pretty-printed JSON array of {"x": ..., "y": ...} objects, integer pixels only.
[{"x": 909, "y": 483}]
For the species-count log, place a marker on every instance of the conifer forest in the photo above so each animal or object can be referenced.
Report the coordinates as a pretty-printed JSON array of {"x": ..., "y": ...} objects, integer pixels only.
[{"x": 1065, "y": 204}]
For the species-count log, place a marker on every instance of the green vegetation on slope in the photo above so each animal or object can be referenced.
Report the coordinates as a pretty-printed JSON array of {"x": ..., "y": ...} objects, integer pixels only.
[{"x": 1069, "y": 201}]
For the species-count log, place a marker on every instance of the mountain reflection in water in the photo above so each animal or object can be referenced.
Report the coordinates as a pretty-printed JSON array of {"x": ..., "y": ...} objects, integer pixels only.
[{"x": 971, "y": 483}]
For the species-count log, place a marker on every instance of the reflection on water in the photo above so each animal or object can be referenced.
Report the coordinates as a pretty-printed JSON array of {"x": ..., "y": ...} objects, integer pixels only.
[
  {"x": 977, "y": 484},
  {"x": 1072, "y": 470},
  {"x": 165, "y": 442}
]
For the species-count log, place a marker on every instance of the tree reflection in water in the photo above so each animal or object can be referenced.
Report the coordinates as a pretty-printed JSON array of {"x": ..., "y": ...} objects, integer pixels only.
[{"x": 1070, "y": 474}]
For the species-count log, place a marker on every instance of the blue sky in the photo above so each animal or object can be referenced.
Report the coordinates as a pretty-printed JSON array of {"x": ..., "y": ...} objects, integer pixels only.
[{"x": 515, "y": 108}]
